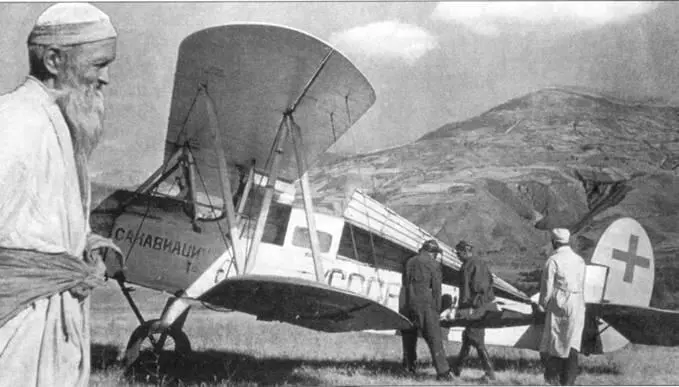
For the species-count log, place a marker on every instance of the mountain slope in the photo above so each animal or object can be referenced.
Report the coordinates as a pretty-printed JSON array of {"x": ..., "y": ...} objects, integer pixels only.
[{"x": 554, "y": 157}]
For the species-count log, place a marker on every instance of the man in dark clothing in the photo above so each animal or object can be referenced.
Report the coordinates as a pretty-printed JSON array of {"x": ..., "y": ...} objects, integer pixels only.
[
  {"x": 476, "y": 290},
  {"x": 421, "y": 284}
]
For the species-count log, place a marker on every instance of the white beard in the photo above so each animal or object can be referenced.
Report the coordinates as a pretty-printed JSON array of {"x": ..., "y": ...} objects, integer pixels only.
[{"x": 83, "y": 109}]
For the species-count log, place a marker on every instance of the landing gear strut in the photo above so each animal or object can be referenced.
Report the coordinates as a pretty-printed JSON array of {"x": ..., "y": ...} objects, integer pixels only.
[{"x": 152, "y": 344}]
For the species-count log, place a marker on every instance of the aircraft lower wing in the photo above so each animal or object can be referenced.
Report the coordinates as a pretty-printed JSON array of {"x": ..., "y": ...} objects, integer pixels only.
[
  {"x": 305, "y": 303},
  {"x": 640, "y": 325}
]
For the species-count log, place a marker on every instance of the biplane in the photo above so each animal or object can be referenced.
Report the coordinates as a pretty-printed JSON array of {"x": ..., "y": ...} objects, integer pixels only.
[{"x": 253, "y": 107}]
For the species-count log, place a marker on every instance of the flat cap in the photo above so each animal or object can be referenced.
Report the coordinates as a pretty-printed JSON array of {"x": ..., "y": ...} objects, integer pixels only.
[
  {"x": 432, "y": 246},
  {"x": 463, "y": 245}
]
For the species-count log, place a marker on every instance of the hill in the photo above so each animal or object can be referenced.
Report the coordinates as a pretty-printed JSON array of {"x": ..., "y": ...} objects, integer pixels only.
[{"x": 554, "y": 157}]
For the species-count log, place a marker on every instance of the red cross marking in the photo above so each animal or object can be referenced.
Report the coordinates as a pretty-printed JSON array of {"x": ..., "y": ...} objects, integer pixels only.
[{"x": 631, "y": 258}]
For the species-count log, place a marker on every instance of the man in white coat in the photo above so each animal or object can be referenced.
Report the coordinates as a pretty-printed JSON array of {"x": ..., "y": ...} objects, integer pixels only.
[
  {"x": 562, "y": 297},
  {"x": 49, "y": 259}
]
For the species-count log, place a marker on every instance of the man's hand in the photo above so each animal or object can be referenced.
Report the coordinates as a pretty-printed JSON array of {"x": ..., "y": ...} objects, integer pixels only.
[
  {"x": 95, "y": 252},
  {"x": 80, "y": 292},
  {"x": 96, "y": 242},
  {"x": 95, "y": 259},
  {"x": 96, "y": 247},
  {"x": 538, "y": 313},
  {"x": 537, "y": 308}
]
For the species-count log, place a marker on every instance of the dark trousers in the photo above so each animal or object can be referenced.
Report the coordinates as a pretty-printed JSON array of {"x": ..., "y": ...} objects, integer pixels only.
[
  {"x": 427, "y": 323},
  {"x": 561, "y": 371},
  {"x": 474, "y": 337}
]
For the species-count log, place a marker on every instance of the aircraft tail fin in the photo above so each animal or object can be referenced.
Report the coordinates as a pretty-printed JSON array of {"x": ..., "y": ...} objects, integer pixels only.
[{"x": 621, "y": 270}]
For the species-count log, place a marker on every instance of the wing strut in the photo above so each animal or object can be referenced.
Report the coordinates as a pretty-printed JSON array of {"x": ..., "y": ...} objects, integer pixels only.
[
  {"x": 246, "y": 192},
  {"x": 161, "y": 173},
  {"x": 273, "y": 166},
  {"x": 225, "y": 184},
  {"x": 190, "y": 173},
  {"x": 176, "y": 306},
  {"x": 296, "y": 133},
  {"x": 311, "y": 81}
]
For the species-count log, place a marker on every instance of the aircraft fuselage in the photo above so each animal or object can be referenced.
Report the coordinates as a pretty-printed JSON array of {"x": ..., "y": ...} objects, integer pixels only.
[{"x": 164, "y": 252}]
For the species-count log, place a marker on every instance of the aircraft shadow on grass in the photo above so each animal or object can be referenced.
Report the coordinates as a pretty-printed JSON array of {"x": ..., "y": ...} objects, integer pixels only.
[{"x": 217, "y": 366}]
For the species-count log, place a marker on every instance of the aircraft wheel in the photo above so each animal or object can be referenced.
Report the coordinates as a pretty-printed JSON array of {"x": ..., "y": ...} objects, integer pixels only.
[{"x": 145, "y": 352}]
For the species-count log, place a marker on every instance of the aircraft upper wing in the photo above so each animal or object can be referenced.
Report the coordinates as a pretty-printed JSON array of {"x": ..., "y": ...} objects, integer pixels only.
[
  {"x": 641, "y": 325},
  {"x": 368, "y": 213},
  {"x": 255, "y": 73},
  {"x": 305, "y": 303}
]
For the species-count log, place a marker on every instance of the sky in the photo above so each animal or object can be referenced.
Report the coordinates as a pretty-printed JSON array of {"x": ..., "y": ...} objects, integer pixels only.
[{"x": 430, "y": 63}]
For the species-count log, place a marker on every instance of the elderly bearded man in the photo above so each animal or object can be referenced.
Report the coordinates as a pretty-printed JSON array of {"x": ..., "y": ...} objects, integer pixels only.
[
  {"x": 562, "y": 297},
  {"x": 49, "y": 259}
]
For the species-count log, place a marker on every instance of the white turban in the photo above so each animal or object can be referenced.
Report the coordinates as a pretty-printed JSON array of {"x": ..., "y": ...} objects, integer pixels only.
[
  {"x": 71, "y": 23},
  {"x": 561, "y": 235}
]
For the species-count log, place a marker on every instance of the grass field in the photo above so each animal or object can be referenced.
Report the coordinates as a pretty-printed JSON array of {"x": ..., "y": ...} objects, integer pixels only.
[{"x": 235, "y": 349}]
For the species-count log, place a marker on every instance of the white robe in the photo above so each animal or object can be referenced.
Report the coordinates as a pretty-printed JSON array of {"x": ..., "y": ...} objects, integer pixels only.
[
  {"x": 562, "y": 296},
  {"x": 41, "y": 208}
]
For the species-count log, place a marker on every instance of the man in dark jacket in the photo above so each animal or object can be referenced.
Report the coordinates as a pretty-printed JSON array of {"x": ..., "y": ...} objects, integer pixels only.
[
  {"x": 476, "y": 290},
  {"x": 421, "y": 286}
]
